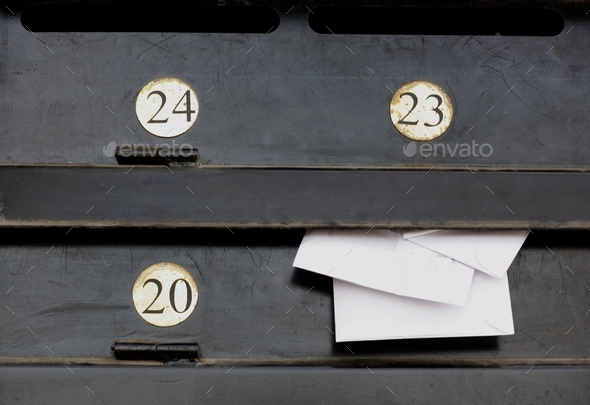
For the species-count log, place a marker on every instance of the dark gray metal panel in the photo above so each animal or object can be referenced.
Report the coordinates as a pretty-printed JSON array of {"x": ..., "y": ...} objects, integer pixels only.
[
  {"x": 89, "y": 385},
  {"x": 143, "y": 196},
  {"x": 298, "y": 97},
  {"x": 77, "y": 298}
]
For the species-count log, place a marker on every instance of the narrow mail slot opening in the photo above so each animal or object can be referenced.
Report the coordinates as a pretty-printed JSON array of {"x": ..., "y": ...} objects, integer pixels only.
[
  {"x": 149, "y": 18},
  {"x": 435, "y": 21}
]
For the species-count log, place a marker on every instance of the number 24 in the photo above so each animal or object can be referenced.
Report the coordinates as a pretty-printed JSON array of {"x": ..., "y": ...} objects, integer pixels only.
[
  {"x": 415, "y": 103},
  {"x": 188, "y": 110}
]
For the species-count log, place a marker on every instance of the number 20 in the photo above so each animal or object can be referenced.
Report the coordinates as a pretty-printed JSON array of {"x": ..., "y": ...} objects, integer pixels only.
[
  {"x": 189, "y": 296},
  {"x": 415, "y": 103}
]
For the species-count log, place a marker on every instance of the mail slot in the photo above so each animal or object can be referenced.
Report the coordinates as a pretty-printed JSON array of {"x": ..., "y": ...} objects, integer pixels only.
[{"x": 161, "y": 165}]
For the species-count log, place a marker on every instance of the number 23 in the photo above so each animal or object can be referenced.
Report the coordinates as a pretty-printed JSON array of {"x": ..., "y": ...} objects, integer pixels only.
[{"x": 415, "y": 103}]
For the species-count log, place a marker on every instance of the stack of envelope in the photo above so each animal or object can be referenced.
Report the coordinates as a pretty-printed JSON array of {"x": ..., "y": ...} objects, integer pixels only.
[{"x": 417, "y": 284}]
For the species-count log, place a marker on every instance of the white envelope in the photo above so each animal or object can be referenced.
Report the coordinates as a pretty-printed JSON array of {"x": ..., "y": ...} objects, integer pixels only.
[
  {"x": 489, "y": 251},
  {"x": 365, "y": 314},
  {"x": 382, "y": 260}
]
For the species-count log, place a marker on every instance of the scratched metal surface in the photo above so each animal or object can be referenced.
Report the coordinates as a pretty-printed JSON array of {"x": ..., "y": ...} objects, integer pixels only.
[
  {"x": 76, "y": 300},
  {"x": 298, "y": 98},
  {"x": 167, "y": 198},
  {"x": 303, "y": 385}
]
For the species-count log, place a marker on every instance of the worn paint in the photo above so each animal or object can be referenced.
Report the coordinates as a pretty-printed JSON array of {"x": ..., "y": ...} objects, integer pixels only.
[
  {"x": 165, "y": 294},
  {"x": 421, "y": 111}
]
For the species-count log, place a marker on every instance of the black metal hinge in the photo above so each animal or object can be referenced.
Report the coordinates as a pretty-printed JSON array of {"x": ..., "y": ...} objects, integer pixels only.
[{"x": 165, "y": 352}]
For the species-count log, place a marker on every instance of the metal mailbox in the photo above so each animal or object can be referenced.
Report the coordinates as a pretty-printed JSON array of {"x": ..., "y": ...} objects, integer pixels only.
[{"x": 184, "y": 149}]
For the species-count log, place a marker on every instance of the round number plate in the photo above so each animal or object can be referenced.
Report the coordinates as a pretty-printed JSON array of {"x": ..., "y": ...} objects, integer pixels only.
[
  {"x": 165, "y": 294},
  {"x": 421, "y": 110},
  {"x": 167, "y": 107}
]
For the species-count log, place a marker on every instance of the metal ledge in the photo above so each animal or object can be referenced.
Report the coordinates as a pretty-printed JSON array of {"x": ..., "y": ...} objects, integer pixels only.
[{"x": 249, "y": 198}]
